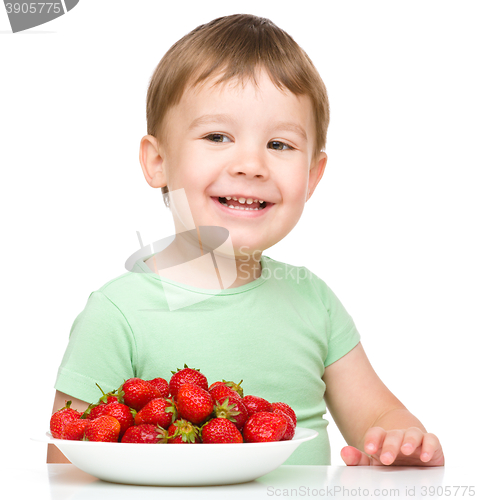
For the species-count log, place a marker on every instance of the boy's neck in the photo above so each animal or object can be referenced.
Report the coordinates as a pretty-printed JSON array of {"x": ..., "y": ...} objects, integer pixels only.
[
  {"x": 247, "y": 271},
  {"x": 185, "y": 261}
]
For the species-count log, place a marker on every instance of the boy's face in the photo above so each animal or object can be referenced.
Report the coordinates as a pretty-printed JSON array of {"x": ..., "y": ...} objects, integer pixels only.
[{"x": 230, "y": 140}]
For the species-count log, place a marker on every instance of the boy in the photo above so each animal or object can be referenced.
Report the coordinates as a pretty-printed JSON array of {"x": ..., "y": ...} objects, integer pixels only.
[{"x": 237, "y": 118}]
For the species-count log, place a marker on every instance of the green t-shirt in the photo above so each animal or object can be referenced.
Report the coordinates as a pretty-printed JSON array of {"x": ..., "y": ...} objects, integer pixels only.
[{"x": 277, "y": 333}]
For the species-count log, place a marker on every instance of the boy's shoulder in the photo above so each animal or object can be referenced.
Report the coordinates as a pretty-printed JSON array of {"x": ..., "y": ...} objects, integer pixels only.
[
  {"x": 120, "y": 281},
  {"x": 287, "y": 271},
  {"x": 301, "y": 278},
  {"x": 124, "y": 284}
]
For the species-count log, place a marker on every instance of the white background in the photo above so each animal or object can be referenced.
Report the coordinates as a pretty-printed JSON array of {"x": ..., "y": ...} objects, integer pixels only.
[{"x": 390, "y": 228}]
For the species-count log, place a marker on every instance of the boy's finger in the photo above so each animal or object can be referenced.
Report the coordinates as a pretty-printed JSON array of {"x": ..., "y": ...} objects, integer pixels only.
[
  {"x": 412, "y": 439},
  {"x": 373, "y": 440},
  {"x": 430, "y": 444},
  {"x": 353, "y": 456},
  {"x": 391, "y": 446}
]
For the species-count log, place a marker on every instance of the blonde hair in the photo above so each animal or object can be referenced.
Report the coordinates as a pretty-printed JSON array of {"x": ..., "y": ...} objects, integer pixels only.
[{"x": 234, "y": 46}]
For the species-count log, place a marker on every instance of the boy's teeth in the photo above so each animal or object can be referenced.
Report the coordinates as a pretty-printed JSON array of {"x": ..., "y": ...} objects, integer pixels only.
[
  {"x": 241, "y": 201},
  {"x": 249, "y": 201},
  {"x": 240, "y": 208}
]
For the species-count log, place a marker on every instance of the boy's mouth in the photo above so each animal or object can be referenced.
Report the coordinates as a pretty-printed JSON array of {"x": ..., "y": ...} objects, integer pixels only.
[{"x": 242, "y": 203}]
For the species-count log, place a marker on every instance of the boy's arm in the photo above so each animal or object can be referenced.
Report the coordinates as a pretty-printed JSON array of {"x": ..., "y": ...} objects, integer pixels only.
[
  {"x": 54, "y": 455},
  {"x": 376, "y": 425}
]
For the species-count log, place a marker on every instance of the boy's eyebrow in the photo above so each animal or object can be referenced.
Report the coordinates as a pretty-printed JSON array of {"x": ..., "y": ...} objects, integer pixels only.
[
  {"x": 282, "y": 125},
  {"x": 205, "y": 119},
  {"x": 291, "y": 127}
]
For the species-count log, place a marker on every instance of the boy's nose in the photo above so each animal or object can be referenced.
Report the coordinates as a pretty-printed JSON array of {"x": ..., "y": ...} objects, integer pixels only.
[{"x": 250, "y": 164}]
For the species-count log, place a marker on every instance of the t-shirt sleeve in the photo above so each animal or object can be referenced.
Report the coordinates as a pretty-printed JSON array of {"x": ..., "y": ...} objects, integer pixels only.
[
  {"x": 343, "y": 335},
  {"x": 101, "y": 349}
]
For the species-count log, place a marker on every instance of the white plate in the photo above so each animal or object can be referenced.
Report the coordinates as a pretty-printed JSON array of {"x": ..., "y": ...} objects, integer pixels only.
[{"x": 178, "y": 465}]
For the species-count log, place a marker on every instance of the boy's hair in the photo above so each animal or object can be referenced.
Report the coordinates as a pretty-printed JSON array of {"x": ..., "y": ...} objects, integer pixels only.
[{"x": 235, "y": 46}]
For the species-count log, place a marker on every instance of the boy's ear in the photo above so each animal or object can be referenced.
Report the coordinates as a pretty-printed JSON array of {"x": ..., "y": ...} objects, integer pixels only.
[
  {"x": 317, "y": 169},
  {"x": 152, "y": 162}
]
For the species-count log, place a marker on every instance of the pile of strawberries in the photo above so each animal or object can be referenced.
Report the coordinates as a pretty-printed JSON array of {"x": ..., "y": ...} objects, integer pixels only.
[{"x": 184, "y": 411}]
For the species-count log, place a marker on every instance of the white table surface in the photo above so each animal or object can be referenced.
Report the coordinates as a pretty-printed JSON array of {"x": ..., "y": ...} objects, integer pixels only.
[{"x": 65, "y": 482}]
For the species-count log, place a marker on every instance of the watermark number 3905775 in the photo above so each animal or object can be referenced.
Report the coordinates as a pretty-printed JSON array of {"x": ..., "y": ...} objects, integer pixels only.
[{"x": 28, "y": 14}]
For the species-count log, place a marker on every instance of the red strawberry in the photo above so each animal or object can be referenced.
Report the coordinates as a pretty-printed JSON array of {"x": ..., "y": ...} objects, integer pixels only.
[
  {"x": 235, "y": 387},
  {"x": 215, "y": 384},
  {"x": 290, "y": 430},
  {"x": 75, "y": 429},
  {"x": 284, "y": 408},
  {"x": 187, "y": 374},
  {"x": 121, "y": 412},
  {"x": 233, "y": 410},
  {"x": 95, "y": 410},
  {"x": 183, "y": 432},
  {"x": 194, "y": 403},
  {"x": 145, "y": 433},
  {"x": 110, "y": 397},
  {"x": 161, "y": 385},
  {"x": 255, "y": 404},
  {"x": 62, "y": 417},
  {"x": 219, "y": 390},
  {"x": 136, "y": 393},
  {"x": 220, "y": 430},
  {"x": 104, "y": 428},
  {"x": 158, "y": 412},
  {"x": 264, "y": 427}
]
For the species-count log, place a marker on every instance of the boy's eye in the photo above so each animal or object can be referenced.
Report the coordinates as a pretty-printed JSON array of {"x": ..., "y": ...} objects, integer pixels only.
[
  {"x": 217, "y": 138},
  {"x": 279, "y": 146}
]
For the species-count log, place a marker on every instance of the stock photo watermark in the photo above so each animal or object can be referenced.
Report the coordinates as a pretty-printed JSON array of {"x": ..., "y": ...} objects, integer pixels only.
[
  {"x": 26, "y": 14},
  {"x": 288, "y": 273},
  {"x": 343, "y": 492}
]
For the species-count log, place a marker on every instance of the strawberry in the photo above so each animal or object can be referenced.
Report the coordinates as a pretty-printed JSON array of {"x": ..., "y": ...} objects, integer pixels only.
[
  {"x": 233, "y": 410},
  {"x": 215, "y": 384},
  {"x": 183, "y": 432},
  {"x": 158, "y": 411},
  {"x": 220, "y": 430},
  {"x": 187, "y": 374},
  {"x": 161, "y": 385},
  {"x": 104, "y": 428},
  {"x": 121, "y": 412},
  {"x": 194, "y": 403},
  {"x": 110, "y": 397},
  {"x": 136, "y": 393},
  {"x": 219, "y": 390},
  {"x": 290, "y": 430},
  {"x": 255, "y": 404},
  {"x": 95, "y": 410},
  {"x": 62, "y": 417},
  {"x": 235, "y": 387},
  {"x": 284, "y": 408},
  {"x": 145, "y": 433},
  {"x": 75, "y": 429},
  {"x": 264, "y": 427}
]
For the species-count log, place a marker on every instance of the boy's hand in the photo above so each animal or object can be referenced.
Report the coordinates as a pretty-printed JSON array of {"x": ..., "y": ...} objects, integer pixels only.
[{"x": 409, "y": 446}]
